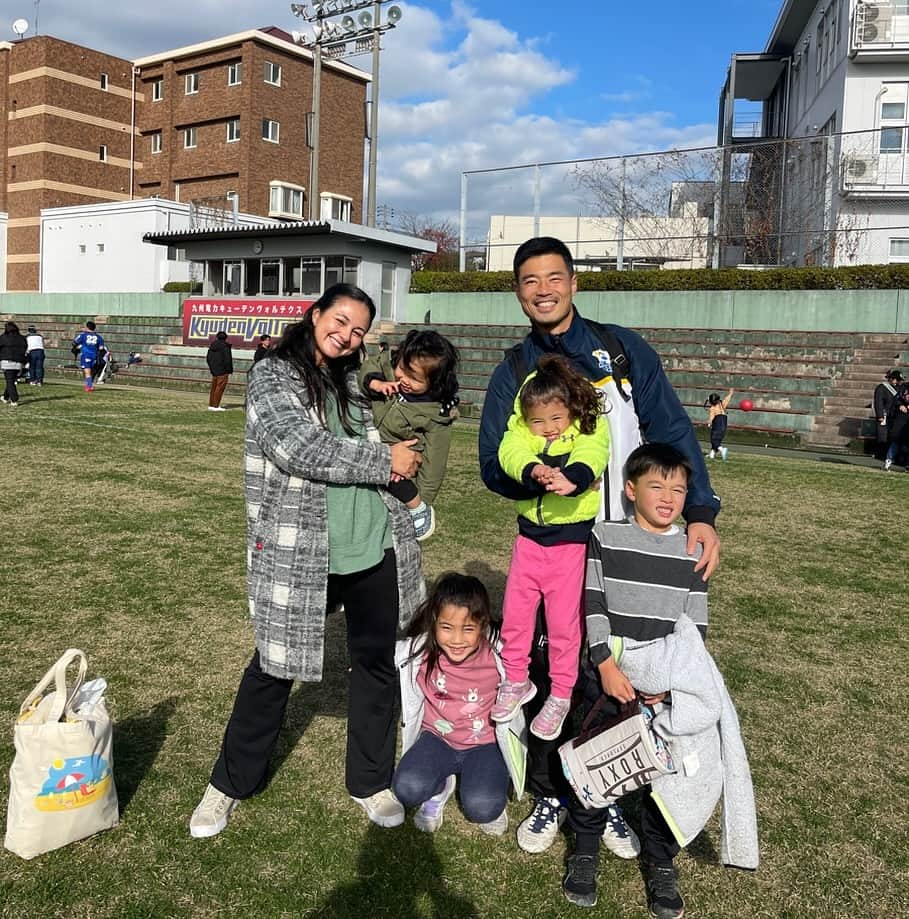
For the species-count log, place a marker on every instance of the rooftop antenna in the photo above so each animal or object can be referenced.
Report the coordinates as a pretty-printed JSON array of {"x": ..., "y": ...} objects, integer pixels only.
[{"x": 20, "y": 27}]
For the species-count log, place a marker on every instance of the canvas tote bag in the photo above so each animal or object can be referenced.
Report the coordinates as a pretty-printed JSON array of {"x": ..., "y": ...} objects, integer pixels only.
[
  {"x": 61, "y": 781},
  {"x": 606, "y": 762}
]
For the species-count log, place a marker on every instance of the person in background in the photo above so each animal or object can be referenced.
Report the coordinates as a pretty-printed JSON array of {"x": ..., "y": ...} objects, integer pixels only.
[
  {"x": 264, "y": 346},
  {"x": 12, "y": 357},
  {"x": 35, "y": 350},
  {"x": 718, "y": 422},
  {"x": 88, "y": 343},
  {"x": 220, "y": 362},
  {"x": 884, "y": 394},
  {"x": 898, "y": 429}
]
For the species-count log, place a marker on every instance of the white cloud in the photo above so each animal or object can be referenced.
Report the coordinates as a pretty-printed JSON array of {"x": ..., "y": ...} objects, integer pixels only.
[{"x": 458, "y": 93}]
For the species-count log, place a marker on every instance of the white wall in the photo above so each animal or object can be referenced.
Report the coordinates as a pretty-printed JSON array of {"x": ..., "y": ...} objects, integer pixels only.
[
  {"x": 3, "y": 220},
  {"x": 115, "y": 259}
]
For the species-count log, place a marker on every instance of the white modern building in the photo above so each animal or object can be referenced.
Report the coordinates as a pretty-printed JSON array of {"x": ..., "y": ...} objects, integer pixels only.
[
  {"x": 98, "y": 248},
  {"x": 816, "y": 127}
]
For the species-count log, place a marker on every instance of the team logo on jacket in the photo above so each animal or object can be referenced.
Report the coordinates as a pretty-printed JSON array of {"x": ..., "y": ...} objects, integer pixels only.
[{"x": 604, "y": 362}]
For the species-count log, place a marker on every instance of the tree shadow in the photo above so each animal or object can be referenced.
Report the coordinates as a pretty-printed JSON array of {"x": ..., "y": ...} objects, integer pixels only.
[
  {"x": 492, "y": 578},
  {"x": 310, "y": 699},
  {"x": 398, "y": 874},
  {"x": 136, "y": 744}
]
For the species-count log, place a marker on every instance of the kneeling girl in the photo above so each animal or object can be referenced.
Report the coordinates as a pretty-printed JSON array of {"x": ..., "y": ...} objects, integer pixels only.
[{"x": 450, "y": 673}]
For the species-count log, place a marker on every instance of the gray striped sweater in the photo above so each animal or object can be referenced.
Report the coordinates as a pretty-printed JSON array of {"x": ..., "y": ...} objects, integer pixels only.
[{"x": 638, "y": 584}]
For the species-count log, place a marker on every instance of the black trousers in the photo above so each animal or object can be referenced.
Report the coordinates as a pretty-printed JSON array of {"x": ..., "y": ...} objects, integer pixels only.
[
  {"x": 370, "y": 601},
  {"x": 544, "y": 769},
  {"x": 11, "y": 392}
]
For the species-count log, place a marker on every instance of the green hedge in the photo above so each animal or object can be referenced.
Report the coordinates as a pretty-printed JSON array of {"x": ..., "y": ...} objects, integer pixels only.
[
  {"x": 182, "y": 287},
  {"x": 859, "y": 277}
]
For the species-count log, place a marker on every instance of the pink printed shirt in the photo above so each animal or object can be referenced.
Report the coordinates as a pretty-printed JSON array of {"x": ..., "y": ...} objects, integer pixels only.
[{"x": 459, "y": 698}]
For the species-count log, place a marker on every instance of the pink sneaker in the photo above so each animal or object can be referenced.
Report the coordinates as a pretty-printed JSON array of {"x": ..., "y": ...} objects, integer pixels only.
[
  {"x": 510, "y": 698},
  {"x": 548, "y": 723}
]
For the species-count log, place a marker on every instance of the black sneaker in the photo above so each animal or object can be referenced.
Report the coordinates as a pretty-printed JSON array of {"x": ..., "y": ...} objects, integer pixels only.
[
  {"x": 580, "y": 883},
  {"x": 663, "y": 896}
]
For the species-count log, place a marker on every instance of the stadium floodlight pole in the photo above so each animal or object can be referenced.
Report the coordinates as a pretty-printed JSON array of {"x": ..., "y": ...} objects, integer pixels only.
[
  {"x": 462, "y": 232},
  {"x": 332, "y": 38}
]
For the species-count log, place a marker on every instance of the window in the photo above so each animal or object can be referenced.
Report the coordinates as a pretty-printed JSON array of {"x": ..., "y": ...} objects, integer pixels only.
[
  {"x": 272, "y": 73},
  {"x": 387, "y": 302},
  {"x": 335, "y": 207},
  {"x": 235, "y": 74},
  {"x": 156, "y": 142},
  {"x": 102, "y": 153},
  {"x": 189, "y": 138},
  {"x": 158, "y": 89},
  {"x": 191, "y": 84},
  {"x": 176, "y": 255},
  {"x": 899, "y": 250},
  {"x": 892, "y": 113},
  {"x": 100, "y": 248},
  {"x": 311, "y": 277},
  {"x": 341, "y": 269},
  {"x": 81, "y": 248},
  {"x": 104, "y": 81},
  {"x": 271, "y": 130},
  {"x": 285, "y": 200},
  {"x": 271, "y": 274},
  {"x": 233, "y": 130}
]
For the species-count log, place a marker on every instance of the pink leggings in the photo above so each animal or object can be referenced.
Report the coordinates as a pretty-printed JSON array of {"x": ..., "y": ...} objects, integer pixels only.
[{"x": 554, "y": 574}]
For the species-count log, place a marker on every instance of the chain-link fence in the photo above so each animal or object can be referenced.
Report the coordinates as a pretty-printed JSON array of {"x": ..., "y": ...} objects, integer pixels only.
[{"x": 832, "y": 199}]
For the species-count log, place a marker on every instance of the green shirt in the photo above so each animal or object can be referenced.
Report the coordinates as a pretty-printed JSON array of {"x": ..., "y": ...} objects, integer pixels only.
[{"x": 358, "y": 530}]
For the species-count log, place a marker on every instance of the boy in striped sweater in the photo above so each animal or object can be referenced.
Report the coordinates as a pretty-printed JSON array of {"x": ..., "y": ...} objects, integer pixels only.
[{"x": 640, "y": 579}]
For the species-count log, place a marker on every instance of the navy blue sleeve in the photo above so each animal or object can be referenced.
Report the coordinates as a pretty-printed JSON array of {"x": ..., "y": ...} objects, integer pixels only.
[
  {"x": 498, "y": 405},
  {"x": 580, "y": 475},
  {"x": 664, "y": 420}
]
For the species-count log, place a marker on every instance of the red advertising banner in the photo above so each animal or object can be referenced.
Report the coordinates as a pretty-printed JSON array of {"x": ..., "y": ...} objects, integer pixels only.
[{"x": 243, "y": 320}]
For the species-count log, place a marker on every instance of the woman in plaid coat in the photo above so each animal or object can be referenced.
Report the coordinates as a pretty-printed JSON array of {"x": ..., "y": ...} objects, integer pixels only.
[{"x": 322, "y": 531}]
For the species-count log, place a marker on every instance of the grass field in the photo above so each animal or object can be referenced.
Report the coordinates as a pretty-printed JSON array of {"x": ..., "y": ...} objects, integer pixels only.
[{"x": 123, "y": 523}]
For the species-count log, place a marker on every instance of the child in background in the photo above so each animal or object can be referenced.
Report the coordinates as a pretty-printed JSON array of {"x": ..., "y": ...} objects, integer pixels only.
[
  {"x": 413, "y": 393},
  {"x": 557, "y": 444},
  {"x": 718, "y": 422},
  {"x": 449, "y": 676}
]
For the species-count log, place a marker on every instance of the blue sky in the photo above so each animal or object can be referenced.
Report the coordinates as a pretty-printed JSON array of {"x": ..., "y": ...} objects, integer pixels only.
[{"x": 475, "y": 85}]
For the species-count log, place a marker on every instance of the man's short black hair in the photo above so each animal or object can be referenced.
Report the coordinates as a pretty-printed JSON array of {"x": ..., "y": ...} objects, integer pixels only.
[
  {"x": 542, "y": 245},
  {"x": 265, "y": 337},
  {"x": 90, "y": 325},
  {"x": 660, "y": 457},
  {"x": 222, "y": 335}
]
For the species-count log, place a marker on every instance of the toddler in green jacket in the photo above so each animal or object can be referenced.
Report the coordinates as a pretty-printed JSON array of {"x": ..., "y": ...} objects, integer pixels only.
[{"x": 413, "y": 395}]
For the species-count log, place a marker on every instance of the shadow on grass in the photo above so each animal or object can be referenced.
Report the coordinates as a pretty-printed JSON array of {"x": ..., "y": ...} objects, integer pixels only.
[
  {"x": 493, "y": 579},
  {"x": 136, "y": 744},
  {"x": 29, "y": 399},
  {"x": 702, "y": 850},
  {"x": 398, "y": 874}
]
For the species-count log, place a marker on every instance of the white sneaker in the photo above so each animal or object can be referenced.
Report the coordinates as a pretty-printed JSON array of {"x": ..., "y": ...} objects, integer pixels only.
[
  {"x": 724, "y": 452},
  {"x": 618, "y": 837},
  {"x": 429, "y": 817},
  {"x": 711, "y": 454},
  {"x": 382, "y": 808},
  {"x": 537, "y": 832},
  {"x": 216, "y": 408},
  {"x": 887, "y": 462},
  {"x": 212, "y": 814},
  {"x": 495, "y": 827}
]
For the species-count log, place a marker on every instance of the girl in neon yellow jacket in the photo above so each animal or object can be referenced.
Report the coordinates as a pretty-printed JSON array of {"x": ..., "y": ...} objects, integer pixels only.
[{"x": 557, "y": 443}]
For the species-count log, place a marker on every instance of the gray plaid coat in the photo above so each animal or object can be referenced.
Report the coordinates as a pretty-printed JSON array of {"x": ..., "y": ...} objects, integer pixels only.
[{"x": 289, "y": 457}]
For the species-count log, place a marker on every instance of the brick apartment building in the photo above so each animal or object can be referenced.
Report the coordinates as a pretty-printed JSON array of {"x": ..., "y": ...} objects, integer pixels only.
[{"x": 223, "y": 117}]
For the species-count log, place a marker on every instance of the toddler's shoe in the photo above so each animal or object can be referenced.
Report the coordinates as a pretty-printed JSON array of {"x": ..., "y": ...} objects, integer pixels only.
[
  {"x": 429, "y": 817},
  {"x": 510, "y": 698},
  {"x": 548, "y": 723},
  {"x": 424, "y": 521},
  {"x": 724, "y": 452}
]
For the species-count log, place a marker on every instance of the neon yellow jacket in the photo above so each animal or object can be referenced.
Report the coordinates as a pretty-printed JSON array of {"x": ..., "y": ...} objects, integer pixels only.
[{"x": 521, "y": 449}]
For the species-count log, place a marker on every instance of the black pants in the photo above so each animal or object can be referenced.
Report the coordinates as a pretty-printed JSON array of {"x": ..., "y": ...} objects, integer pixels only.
[
  {"x": 544, "y": 768},
  {"x": 370, "y": 601},
  {"x": 718, "y": 431},
  {"x": 11, "y": 392}
]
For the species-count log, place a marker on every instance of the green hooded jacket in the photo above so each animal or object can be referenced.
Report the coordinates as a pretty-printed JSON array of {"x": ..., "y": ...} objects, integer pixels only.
[{"x": 397, "y": 420}]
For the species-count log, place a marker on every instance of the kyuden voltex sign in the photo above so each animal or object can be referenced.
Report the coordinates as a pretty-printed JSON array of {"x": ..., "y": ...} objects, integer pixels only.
[{"x": 244, "y": 320}]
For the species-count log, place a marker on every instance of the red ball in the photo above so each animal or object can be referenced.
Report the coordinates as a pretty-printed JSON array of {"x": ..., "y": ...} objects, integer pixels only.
[{"x": 746, "y": 405}]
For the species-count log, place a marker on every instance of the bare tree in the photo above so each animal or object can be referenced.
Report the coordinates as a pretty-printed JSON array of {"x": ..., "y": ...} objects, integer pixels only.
[{"x": 442, "y": 232}]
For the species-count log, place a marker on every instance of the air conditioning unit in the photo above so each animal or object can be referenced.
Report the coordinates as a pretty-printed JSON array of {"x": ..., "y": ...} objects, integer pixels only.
[
  {"x": 859, "y": 170},
  {"x": 875, "y": 22}
]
